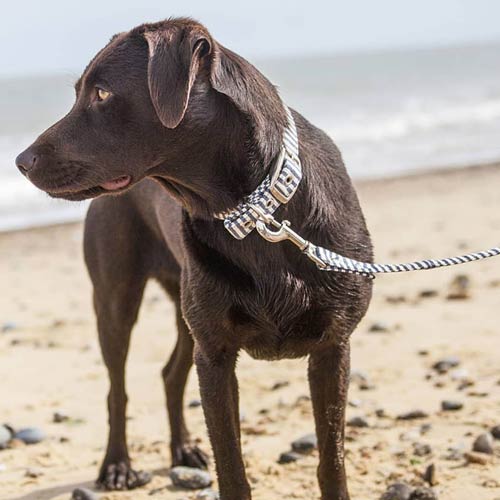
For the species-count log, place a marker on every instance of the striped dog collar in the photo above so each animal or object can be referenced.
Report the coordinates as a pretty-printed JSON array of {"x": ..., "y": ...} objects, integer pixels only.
[{"x": 276, "y": 189}]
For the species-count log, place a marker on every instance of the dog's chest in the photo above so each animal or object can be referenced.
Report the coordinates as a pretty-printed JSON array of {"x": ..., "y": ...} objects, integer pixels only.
[{"x": 276, "y": 321}]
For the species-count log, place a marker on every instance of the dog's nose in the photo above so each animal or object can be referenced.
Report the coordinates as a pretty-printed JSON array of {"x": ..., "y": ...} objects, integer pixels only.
[{"x": 27, "y": 160}]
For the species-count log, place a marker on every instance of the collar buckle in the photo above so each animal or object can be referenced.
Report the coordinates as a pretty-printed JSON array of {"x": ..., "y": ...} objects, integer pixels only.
[{"x": 282, "y": 195}]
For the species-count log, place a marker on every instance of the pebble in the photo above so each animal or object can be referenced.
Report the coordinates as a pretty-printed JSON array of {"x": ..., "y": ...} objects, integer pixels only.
[
  {"x": 446, "y": 364},
  {"x": 448, "y": 405},
  {"x": 30, "y": 435},
  {"x": 429, "y": 475},
  {"x": 413, "y": 415},
  {"x": 305, "y": 444},
  {"x": 207, "y": 494},
  {"x": 459, "y": 288},
  {"x": 33, "y": 473},
  {"x": 83, "y": 494},
  {"x": 358, "y": 422},
  {"x": 5, "y": 436},
  {"x": 460, "y": 374},
  {"x": 455, "y": 454},
  {"x": 190, "y": 478},
  {"x": 379, "y": 327},
  {"x": 423, "y": 493},
  {"x": 358, "y": 377},
  {"x": 397, "y": 491},
  {"x": 495, "y": 432},
  {"x": 194, "y": 403},
  {"x": 428, "y": 293},
  {"x": 8, "y": 326},
  {"x": 421, "y": 449},
  {"x": 425, "y": 428},
  {"x": 483, "y": 444},
  {"x": 412, "y": 435},
  {"x": 280, "y": 384},
  {"x": 477, "y": 458},
  {"x": 60, "y": 417},
  {"x": 289, "y": 457}
]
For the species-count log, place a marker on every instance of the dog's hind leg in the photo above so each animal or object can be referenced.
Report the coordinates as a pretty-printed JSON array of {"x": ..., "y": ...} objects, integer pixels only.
[
  {"x": 329, "y": 381},
  {"x": 115, "y": 262},
  {"x": 175, "y": 374}
]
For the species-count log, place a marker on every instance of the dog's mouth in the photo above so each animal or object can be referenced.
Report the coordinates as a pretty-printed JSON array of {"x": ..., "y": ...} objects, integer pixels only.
[{"x": 116, "y": 185}]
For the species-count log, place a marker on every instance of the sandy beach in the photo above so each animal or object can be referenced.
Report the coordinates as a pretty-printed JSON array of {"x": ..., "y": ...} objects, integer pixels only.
[{"x": 50, "y": 362}]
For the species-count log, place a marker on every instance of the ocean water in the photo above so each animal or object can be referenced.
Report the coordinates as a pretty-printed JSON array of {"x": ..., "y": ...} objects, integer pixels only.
[{"x": 389, "y": 113}]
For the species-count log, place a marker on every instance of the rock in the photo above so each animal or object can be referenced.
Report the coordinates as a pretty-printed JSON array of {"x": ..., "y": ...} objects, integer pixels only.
[
  {"x": 413, "y": 415},
  {"x": 280, "y": 384},
  {"x": 459, "y": 288},
  {"x": 289, "y": 457},
  {"x": 381, "y": 413},
  {"x": 358, "y": 377},
  {"x": 8, "y": 326},
  {"x": 495, "y": 432},
  {"x": 30, "y": 435},
  {"x": 395, "y": 299},
  {"x": 59, "y": 417},
  {"x": 358, "y": 422},
  {"x": 446, "y": 364},
  {"x": 421, "y": 449},
  {"x": 397, "y": 491},
  {"x": 477, "y": 458},
  {"x": 366, "y": 386},
  {"x": 207, "y": 494},
  {"x": 194, "y": 403},
  {"x": 428, "y": 293},
  {"x": 33, "y": 473},
  {"x": 305, "y": 444},
  {"x": 429, "y": 475},
  {"x": 379, "y": 327},
  {"x": 459, "y": 375},
  {"x": 454, "y": 454},
  {"x": 425, "y": 428},
  {"x": 423, "y": 493},
  {"x": 483, "y": 444},
  {"x": 83, "y": 494},
  {"x": 355, "y": 403},
  {"x": 5, "y": 436},
  {"x": 448, "y": 405},
  {"x": 190, "y": 478}
]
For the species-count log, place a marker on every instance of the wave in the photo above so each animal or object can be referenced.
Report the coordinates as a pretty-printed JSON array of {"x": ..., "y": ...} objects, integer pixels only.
[{"x": 415, "y": 118}]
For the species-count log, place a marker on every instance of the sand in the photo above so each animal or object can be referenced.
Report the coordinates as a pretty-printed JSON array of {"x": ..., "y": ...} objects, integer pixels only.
[{"x": 50, "y": 361}]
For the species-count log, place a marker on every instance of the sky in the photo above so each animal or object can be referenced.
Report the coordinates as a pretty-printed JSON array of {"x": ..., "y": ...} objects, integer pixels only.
[{"x": 47, "y": 36}]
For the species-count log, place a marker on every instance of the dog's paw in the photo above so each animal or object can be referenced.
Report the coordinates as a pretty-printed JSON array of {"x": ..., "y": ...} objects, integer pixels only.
[
  {"x": 190, "y": 455},
  {"x": 121, "y": 476}
]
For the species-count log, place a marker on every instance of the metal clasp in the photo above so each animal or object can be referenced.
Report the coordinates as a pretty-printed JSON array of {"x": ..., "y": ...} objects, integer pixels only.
[{"x": 284, "y": 232}]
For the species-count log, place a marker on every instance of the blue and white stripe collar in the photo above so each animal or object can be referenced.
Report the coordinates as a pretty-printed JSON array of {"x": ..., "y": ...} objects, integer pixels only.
[{"x": 276, "y": 189}]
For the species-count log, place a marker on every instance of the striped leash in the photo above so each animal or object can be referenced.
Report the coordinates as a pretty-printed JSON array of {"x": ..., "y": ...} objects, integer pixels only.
[{"x": 278, "y": 188}]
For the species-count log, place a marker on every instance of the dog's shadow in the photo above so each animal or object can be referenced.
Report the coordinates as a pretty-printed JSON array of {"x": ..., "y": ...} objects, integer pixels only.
[{"x": 49, "y": 493}]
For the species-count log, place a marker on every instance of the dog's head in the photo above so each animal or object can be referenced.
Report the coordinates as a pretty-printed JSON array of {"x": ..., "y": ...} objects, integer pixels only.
[{"x": 155, "y": 102}]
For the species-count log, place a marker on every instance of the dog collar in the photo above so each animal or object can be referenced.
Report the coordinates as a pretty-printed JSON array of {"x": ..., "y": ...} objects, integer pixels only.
[{"x": 276, "y": 189}]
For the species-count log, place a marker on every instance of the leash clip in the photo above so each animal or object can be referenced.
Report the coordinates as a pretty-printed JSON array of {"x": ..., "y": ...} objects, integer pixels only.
[{"x": 284, "y": 232}]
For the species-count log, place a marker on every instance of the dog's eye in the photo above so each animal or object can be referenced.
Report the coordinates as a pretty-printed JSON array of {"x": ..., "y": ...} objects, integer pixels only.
[{"x": 102, "y": 94}]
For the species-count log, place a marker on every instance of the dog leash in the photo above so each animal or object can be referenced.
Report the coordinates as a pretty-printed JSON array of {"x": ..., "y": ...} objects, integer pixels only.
[{"x": 256, "y": 212}]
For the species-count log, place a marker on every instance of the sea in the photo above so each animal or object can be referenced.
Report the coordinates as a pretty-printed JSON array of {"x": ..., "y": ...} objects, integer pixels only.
[{"x": 390, "y": 113}]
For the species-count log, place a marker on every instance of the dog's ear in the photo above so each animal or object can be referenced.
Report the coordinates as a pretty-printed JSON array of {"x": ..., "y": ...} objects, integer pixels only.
[
  {"x": 253, "y": 94},
  {"x": 174, "y": 58}
]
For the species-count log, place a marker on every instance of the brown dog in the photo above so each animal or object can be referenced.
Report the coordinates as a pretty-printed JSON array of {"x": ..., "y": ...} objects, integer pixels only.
[{"x": 168, "y": 103}]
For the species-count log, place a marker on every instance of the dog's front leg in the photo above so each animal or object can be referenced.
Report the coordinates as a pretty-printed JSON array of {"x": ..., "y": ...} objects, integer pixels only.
[
  {"x": 219, "y": 396},
  {"x": 329, "y": 381}
]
